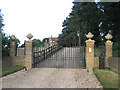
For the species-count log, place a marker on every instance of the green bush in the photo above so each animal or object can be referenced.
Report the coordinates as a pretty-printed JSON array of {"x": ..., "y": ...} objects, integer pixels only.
[
  {"x": 5, "y": 52},
  {"x": 6, "y": 43},
  {"x": 116, "y": 49}
]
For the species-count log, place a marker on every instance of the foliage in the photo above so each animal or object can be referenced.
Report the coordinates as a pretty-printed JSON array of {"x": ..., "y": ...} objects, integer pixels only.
[
  {"x": 9, "y": 70},
  {"x": 23, "y": 45},
  {"x": 98, "y": 18},
  {"x": 45, "y": 40},
  {"x": 107, "y": 77},
  {"x": 1, "y": 20},
  {"x": 99, "y": 50},
  {"x": 110, "y": 19},
  {"x": 37, "y": 42},
  {"x": 6, "y": 44},
  {"x": 5, "y": 38},
  {"x": 116, "y": 49}
]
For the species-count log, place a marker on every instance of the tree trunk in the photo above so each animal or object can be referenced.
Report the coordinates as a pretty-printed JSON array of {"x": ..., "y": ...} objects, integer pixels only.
[{"x": 79, "y": 38}]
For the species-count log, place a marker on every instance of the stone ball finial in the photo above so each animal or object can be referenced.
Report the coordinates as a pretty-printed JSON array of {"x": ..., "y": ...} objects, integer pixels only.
[
  {"x": 108, "y": 37},
  {"x": 89, "y": 35},
  {"x": 13, "y": 38},
  {"x": 29, "y": 36}
]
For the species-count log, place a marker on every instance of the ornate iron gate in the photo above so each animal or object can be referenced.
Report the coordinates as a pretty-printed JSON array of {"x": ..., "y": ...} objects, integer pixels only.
[
  {"x": 65, "y": 55},
  {"x": 99, "y": 49}
]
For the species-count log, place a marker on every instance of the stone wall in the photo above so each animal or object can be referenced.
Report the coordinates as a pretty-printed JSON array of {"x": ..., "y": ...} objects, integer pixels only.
[
  {"x": 18, "y": 61},
  {"x": 96, "y": 62},
  {"x": 24, "y": 56},
  {"x": 114, "y": 63},
  {"x": 6, "y": 61},
  {"x": 91, "y": 60}
]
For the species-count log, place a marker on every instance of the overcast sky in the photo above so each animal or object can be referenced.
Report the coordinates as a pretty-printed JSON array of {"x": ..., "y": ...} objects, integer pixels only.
[{"x": 42, "y": 18}]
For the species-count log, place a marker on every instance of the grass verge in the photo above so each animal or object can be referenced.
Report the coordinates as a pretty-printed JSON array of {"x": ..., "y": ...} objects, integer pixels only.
[
  {"x": 9, "y": 70},
  {"x": 107, "y": 77}
]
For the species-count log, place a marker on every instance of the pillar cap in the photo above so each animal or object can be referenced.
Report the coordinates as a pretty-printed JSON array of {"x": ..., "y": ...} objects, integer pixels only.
[
  {"x": 89, "y": 40},
  {"x": 13, "y": 38},
  {"x": 108, "y": 37},
  {"x": 89, "y": 35},
  {"x": 29, "y": 36}
]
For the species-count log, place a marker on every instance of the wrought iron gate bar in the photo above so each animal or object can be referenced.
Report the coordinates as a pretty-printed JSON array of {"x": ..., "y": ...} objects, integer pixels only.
[
  {"x": 66, "y": 55},
  {"x": 40, "y": 54}
]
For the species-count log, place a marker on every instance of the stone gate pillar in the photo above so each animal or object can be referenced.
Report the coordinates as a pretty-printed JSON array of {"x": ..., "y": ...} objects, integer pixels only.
[
  {"x": 89, "y": 51},
  {"x": 108, "y": 49},
  {"x": 13, "y": 46},
  {"x": 28, "y": 52}
]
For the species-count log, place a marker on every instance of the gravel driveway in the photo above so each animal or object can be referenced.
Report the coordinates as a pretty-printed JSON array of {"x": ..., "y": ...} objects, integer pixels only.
[{"x": 51, "y": 78}]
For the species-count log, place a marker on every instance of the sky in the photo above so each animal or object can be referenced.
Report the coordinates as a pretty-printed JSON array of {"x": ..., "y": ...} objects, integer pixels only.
[{"x": 41, "y": 18}]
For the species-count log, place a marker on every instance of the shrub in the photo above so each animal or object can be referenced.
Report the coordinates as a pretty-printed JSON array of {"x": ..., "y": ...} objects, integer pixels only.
[{"x": 116, "y": 49}]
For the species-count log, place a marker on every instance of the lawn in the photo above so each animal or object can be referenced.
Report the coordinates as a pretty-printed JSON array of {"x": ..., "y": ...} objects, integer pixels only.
[
  {"x": 107, "y": 77},
  {"x": 9, "y": 70}
]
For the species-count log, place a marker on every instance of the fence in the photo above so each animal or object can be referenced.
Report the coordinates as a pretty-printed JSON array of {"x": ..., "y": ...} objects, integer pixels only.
[
  {"x": 42, "y": 53},
  {"x": 32, "y": 56},
  {"x": 98, "y": 50},
  {"x": 83, "y": 52},
  {"x": 113, "y": 63}
]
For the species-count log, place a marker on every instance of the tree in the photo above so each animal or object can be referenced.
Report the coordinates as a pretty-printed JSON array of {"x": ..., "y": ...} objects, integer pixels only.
[
  {"x": 23, "y": 45},
  {"x": 5, "y": 44},
  {"x": 5, "y": 38},
  {"x": 1, "y": 21},
  {"x": 37, "y": 42},
  {"x": 98, "y": 18},
  {"x": 45, "y": 39},
  {"x": 110, "y": 19},
  {"x": 77, "y": 23}
]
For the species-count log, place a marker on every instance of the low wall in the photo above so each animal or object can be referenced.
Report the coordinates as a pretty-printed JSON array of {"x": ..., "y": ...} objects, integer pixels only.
[
  {"x": 96, "y": 62},
  {"x": 6, "y": 61},
  {"x": 113, "y": 63},
  {"x": 18, "y": 61}
]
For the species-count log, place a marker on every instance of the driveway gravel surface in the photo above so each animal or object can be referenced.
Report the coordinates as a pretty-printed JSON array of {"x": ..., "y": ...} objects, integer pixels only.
[{"x": 51, "y": 78}]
